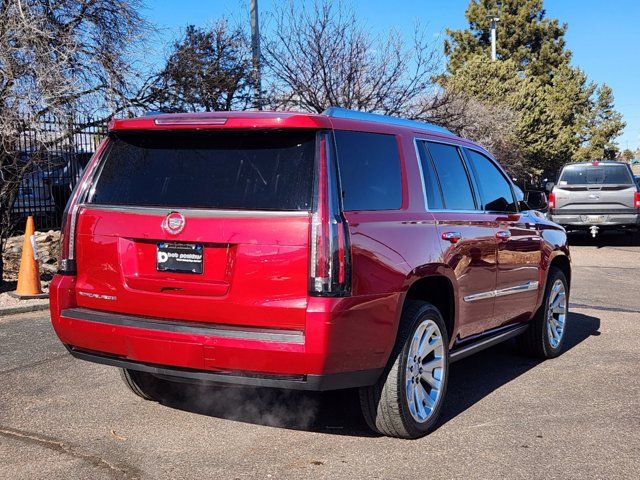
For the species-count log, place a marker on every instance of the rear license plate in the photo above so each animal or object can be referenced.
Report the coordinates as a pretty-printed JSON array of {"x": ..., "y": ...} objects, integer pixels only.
[
  {"x": 594, "y": 218},
  {"x": 179, "y": 257}
]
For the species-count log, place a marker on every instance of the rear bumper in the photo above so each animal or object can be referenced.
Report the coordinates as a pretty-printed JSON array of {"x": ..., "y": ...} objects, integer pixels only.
[
  {"x": 310, "y": 382},
  {"x": 604, "y": 218},
  {"x": 344, "y": 344}
]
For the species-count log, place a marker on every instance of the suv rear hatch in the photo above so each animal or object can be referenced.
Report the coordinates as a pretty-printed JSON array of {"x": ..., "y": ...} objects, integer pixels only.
[
  {"x": 207, "y": 226},
  {"x": 596, "y": 188}
]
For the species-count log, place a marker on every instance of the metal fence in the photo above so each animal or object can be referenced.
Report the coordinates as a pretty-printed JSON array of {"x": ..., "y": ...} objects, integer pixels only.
[{"x": 56, "y": 153}]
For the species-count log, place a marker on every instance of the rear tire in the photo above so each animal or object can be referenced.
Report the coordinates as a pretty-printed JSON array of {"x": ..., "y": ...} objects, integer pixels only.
[
  {"x": 546, "y": 334},
  {"x": 407, "y": 399},
  {"x": 142, "y": 384}
]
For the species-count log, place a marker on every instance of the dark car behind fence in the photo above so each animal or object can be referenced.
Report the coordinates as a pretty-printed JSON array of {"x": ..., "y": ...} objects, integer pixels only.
[{"x": 56, "y": 153}]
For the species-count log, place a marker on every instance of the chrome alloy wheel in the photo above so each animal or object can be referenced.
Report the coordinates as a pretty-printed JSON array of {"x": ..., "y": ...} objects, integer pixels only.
[
  {"x": 556, "y": 313},
  {"x": 425, "y": 373}
]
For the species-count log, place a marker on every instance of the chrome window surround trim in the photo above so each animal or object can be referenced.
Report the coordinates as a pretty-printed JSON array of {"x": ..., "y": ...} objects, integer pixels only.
[
  {"x": 502, "y": 292},
  {"x": 197, "y": 212},
  {"x": 424, "y": 187},
  {"x": 449, "y": 143}
]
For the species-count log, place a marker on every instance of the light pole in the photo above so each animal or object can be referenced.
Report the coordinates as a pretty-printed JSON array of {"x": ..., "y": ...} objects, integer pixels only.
[
  {"x": 255, "y": 49},
  {"x": 494, "y": 25}
]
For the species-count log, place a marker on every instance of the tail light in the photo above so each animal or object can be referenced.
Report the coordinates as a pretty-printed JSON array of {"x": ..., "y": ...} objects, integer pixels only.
[
  {"x": 330, "y": 259},
  {"x": 636, "y": 200},
  {"x": 552, "y": 200},
  {"x": 66, "y": 258},
  {"x": 67, "y": 254}
]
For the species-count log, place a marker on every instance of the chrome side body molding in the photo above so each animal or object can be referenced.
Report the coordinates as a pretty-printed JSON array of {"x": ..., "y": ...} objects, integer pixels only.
[{"x": 525, "y": 287}]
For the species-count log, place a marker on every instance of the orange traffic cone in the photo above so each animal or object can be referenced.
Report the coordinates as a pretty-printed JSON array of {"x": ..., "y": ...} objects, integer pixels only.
[{"x": 29, "y": 275}]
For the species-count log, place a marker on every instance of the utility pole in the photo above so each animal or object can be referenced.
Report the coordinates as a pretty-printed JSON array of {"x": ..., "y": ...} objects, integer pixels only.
[
  {"x": 494, "y": 25},
  {"x": 255, "y": 49}
]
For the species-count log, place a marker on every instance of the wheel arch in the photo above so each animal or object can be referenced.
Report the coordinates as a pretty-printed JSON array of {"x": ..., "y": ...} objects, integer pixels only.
[
  {"x": 562, "y": 262},
  {"x": 439, "y": 290}
]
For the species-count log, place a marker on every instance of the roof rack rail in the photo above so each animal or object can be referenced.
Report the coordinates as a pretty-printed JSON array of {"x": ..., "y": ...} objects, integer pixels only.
[{"x": 339, "y": 112}]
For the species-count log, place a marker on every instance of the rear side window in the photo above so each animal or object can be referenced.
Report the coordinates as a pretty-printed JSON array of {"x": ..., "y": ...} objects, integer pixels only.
[
  {"x": 369, "y": 171},
  {"x": 453, "y": 177},
  {"x": 226, "y": 170},
  {"x": 432, "y": 189},
  {"x": 495, "y": 189},
  {"x": 595, "y": 175}
]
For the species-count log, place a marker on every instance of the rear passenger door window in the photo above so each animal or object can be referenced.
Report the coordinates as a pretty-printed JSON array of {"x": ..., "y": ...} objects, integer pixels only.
[
  {"x": 370, "y": 173},
  {"x": 495, "y": 190},
  {"x": 453, "y": 177}
]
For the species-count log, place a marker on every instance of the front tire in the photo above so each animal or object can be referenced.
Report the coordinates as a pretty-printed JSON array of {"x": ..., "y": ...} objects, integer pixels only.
[
  {"x": 407, "y": 399},
  {"x": 546, "y": 334}
]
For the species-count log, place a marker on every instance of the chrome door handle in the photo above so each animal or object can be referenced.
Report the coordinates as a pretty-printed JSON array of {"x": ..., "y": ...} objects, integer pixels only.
[
  {"x": 503, "y": 235},
  {"x": 453, "y": 237}
]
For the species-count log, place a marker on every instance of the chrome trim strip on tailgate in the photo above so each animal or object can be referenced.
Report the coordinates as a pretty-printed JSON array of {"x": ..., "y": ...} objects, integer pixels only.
[
  {"x": 595, "y": 211},
  {"x": 525, "y": 287},
  {"x": 179, "y": 326},
  {"x": 197, "y": 212}
]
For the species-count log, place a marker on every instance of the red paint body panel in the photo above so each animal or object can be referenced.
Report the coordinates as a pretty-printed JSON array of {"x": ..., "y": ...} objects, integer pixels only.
[
  {"x": 256, "y": 271},
  {"x": 116, "y": 257}
]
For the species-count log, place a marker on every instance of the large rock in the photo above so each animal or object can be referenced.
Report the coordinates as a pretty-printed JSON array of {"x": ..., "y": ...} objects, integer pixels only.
[{"x": 48, "y": 247}]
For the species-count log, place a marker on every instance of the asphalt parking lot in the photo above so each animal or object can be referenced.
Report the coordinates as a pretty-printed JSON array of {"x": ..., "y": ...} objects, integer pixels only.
[{"x": 506, "y": 416}]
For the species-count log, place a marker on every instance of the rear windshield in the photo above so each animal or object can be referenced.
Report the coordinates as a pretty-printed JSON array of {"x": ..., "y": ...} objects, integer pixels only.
[
  {"x": 595, "y": 174},
  {"x": 249, "y": 170}
]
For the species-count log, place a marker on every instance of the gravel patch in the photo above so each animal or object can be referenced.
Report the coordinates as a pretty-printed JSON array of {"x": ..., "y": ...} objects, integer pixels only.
[{"x": 48, "y": 244}]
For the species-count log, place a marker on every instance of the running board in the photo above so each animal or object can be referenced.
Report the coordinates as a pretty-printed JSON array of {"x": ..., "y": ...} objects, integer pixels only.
[{"x": 486, "y": 342}]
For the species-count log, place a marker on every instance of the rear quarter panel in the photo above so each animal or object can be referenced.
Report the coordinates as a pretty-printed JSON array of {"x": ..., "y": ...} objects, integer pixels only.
[{"x": 390, "y": 249}]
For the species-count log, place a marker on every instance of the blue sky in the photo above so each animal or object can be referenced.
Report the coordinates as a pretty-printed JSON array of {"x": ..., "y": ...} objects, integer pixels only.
[{"x": 603, "y": 36}]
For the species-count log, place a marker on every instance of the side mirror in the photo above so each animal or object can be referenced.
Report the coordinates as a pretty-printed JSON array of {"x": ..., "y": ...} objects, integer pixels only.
[
  {"x": 549, "y": 186},
  {"x": 537, "y": 200}
]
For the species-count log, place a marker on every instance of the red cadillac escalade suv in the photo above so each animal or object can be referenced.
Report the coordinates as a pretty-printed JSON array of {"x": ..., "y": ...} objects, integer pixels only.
[{"x": 300, "y": 251}]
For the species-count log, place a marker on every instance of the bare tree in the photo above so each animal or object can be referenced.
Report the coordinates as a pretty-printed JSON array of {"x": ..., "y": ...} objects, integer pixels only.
[
  {"x": 58, "y": 58},
  {"x": 321, "y": 55},
  {"x": 491, "y": 125},
  {"x": 207, "y": 69}
]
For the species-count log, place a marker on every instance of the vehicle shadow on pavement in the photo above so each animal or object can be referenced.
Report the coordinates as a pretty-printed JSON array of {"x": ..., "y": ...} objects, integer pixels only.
[
  {"x": 338, "y": 412},
  {"x": 475, "y": 377},
  {"x": 605, "y": 239}
]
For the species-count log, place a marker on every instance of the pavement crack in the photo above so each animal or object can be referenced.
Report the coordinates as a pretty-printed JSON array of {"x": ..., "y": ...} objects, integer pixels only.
[
  {"x": 35, "y": 364},
  {"x": 603, "y": 309},
  {"x": 118, "y": 471}
]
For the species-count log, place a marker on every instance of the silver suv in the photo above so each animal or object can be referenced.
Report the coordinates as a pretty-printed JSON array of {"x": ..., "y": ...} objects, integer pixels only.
[{"x": 595, "y": 195}]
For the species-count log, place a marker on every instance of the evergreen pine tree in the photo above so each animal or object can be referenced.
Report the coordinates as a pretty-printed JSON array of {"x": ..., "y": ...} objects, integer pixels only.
[
  {"x": 604, "y": 125},
  {"x": 558, "y": 117}
]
